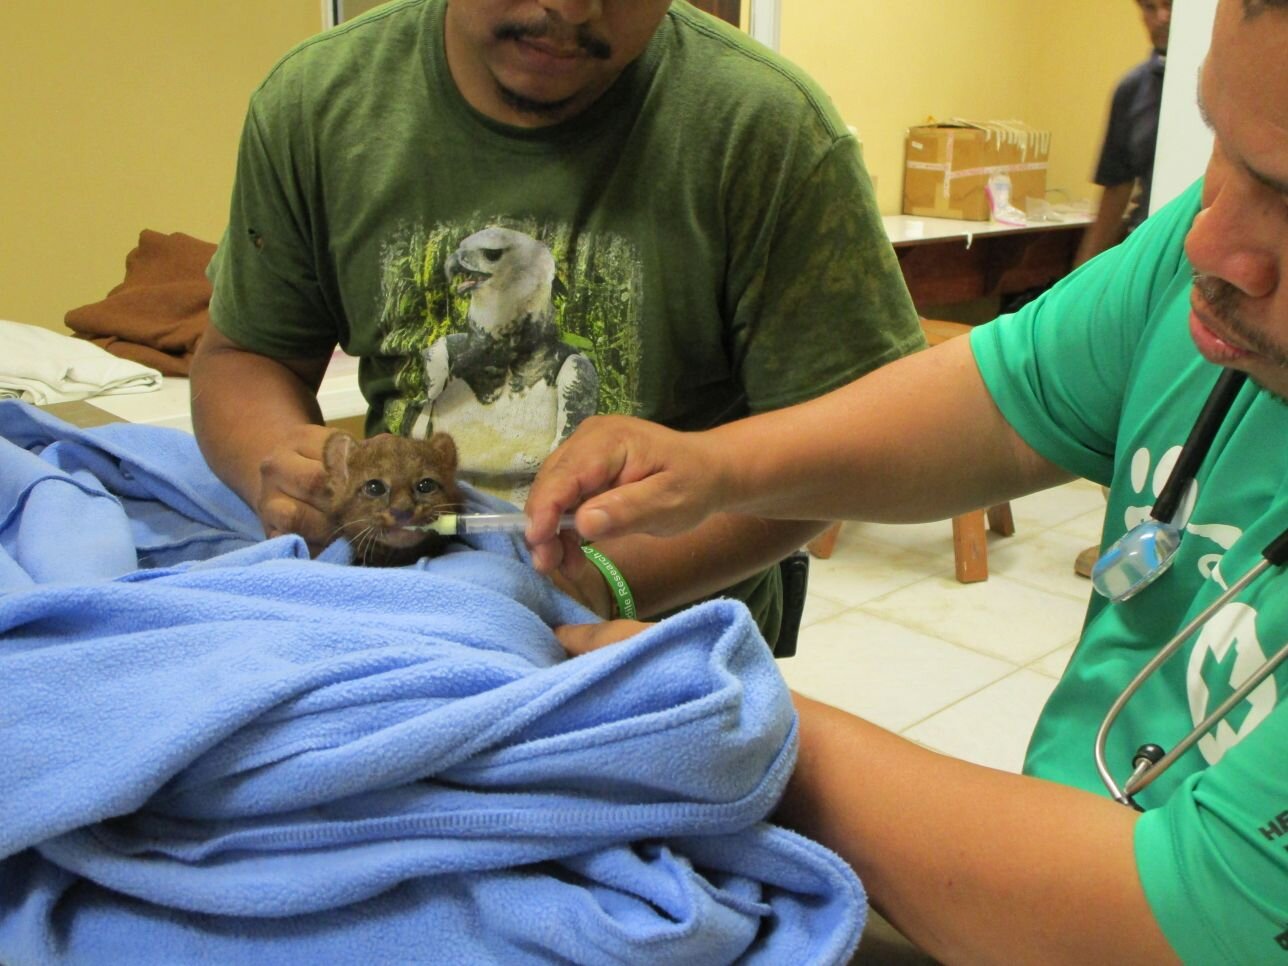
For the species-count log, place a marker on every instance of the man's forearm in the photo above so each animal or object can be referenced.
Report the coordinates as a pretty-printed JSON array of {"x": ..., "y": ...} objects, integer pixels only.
[
  {"x": 919, "y": 439},
  {"x": 242, "y": 404},
  {"x": 972, "y": 864}
]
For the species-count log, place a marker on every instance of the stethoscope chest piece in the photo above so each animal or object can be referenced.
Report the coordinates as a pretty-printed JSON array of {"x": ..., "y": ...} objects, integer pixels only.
[{"x": 1136, "y": 560}]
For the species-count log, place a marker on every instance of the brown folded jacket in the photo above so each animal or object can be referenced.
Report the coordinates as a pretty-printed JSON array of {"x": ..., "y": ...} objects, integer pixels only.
[{"x": 158, "y": 314}]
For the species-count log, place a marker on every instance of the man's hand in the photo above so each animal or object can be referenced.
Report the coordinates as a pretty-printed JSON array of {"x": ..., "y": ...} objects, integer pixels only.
[
  {"x": 633, "y": 476},
  {"x": 584, "y": 584},
  {"x": 294, "y": 496},
  {"x": 580, "y": 638},
  {"x": 259, "y": 426}
]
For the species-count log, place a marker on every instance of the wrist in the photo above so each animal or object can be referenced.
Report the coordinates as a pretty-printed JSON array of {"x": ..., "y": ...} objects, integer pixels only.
[
  {"x": 617, "y": 592},
  {"x": 595, "y": 592},
  {"x": 586, "y": 585},
  {"x": 730, "y": 454}
]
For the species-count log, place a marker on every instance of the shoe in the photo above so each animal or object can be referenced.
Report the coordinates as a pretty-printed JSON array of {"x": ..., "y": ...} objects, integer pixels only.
[{"x": 1083, "y": 563}]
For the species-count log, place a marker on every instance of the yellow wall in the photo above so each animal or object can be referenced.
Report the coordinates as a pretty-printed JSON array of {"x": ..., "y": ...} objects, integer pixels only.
[
  {"x": 891, "y": 65},
  {"x": 122, "y": 115},
  {"x": 354, "y": 8}
]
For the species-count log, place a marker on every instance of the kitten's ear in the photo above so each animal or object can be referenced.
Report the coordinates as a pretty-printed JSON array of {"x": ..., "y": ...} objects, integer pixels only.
[
  {"x": 442, "y": 449},
  {"x": 335, "y": 455}
]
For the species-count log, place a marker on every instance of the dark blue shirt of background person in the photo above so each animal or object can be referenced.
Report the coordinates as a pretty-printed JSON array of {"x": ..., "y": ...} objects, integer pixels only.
[
  {"x": 1128, "y": 152},
  {"x": 1126, "y": 167}
]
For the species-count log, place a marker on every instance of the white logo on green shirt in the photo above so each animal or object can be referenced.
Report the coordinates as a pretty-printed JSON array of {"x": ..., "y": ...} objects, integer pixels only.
[{"x": 1225, "y": 655}]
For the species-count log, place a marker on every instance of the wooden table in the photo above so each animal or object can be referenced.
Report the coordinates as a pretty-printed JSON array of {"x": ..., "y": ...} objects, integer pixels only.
[{"x": 945, "y": 260}]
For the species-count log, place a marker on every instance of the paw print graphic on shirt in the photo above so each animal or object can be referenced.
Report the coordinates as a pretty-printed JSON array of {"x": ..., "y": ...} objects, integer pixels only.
[{"x": 1150, "y": 484}]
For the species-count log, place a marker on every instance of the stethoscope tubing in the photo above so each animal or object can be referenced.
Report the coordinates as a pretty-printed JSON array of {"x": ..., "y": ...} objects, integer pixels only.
[
  {"x": 1273, "y": 555},
  {"x": 1194, "y": 452}
]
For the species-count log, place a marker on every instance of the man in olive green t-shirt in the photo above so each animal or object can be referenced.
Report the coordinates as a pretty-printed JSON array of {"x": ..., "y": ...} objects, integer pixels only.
[{"x": 521, "y": 214}]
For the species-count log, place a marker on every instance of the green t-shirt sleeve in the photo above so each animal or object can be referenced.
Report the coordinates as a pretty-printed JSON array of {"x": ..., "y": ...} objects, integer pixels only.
[
  {"x": 1213, "y": 861},
  {"x": 1059, "y": 369},
  {"x": 825, "y": 301},
  {"x": 266, "y": 291}
]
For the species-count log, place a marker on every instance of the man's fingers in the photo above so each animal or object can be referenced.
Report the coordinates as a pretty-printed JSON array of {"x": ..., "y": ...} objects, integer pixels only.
[
  {"x": 655, "y": 504},
  {"x": 580, "y": 638},
  {"x": 299, "y": 477},
  {"x": 295, "y": 491},
  {"x": 620, "y": 475},
  {"x": 546, "y": 556},
  {"x": 578, "y": 470},
  {"x": 280, "y": 514}
]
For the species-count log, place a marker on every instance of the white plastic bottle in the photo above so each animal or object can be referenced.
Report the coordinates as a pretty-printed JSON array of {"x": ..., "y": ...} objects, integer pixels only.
[{"x": 999, "y": 193}]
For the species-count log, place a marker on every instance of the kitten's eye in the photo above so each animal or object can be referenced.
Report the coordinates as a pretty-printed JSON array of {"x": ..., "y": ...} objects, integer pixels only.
[
  {"x": 426, "y": 485},
  {"x": 374, "y": 488}
]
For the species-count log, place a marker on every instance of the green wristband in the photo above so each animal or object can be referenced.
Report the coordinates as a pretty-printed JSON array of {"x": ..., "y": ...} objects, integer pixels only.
[{"x": 622, "y": 595}]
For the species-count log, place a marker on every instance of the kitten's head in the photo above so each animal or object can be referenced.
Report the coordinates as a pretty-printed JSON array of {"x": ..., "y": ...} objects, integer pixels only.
[{"x": 381, "y": 486}]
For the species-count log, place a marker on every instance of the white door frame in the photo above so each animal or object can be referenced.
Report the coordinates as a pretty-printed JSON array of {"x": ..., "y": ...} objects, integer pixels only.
[{"x": 764, "y": 22}]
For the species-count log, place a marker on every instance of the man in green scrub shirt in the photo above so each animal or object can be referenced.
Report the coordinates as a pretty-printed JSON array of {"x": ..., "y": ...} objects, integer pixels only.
[{"x": 1103, "y": 378}]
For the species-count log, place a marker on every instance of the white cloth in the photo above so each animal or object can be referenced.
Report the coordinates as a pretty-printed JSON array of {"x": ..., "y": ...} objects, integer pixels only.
[{"x": 41, "y": 366}]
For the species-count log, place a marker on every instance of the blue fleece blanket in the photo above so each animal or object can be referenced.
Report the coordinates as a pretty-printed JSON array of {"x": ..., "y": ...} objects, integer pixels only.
[{"x": 214, "y": 749}]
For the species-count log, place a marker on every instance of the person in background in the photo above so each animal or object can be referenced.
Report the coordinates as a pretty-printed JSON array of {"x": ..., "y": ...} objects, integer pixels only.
[
  {"x": 1102, "y": 377},
  {"x": 1126, "y": 167},
  {"x": 518, "y": 213}
]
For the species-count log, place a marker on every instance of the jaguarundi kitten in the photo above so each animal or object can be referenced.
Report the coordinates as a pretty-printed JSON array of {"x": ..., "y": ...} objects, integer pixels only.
[{"x": 381, "y": 486}]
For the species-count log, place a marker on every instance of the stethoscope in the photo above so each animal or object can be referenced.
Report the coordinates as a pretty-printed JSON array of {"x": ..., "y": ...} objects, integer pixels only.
[{"x": 1140, "y": 557}]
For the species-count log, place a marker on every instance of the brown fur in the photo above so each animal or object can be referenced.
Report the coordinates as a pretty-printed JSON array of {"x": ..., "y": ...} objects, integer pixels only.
[{"x": 379, "y": 485}]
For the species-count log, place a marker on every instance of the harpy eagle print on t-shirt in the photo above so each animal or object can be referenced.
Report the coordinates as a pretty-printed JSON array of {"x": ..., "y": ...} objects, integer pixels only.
[{"x": 518, "y": 357}]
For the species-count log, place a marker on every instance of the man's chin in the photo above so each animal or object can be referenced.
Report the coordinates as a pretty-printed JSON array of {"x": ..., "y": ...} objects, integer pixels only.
[
  {"x": 536, "y": 108},
  {"x": 1275, "y": 388}
]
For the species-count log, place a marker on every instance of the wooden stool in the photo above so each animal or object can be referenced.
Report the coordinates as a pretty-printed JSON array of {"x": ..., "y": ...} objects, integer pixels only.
[{"x": 970, "y": 539}]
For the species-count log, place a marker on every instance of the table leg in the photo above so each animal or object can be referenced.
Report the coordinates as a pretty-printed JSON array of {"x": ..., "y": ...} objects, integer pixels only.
[{"x": 823, "y": 545}]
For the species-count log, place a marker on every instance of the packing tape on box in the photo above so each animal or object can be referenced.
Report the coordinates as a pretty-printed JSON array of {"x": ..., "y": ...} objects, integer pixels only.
[
  {"x": 950, "y": 175},
  {"x": 1016, "y": 133}
]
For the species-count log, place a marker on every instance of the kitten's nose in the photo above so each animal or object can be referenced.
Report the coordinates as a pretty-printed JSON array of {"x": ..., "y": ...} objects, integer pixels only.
[{"x": 401, "y": 517}]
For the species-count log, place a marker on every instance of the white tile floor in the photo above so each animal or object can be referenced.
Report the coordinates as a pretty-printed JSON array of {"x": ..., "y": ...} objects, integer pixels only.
[{"x": 890, "y": 635}]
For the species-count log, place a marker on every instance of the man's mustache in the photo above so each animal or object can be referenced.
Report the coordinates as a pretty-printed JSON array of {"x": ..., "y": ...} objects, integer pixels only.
[
  {"x": 586, "y": 41},
  {"x": 1225, "y": 302},
  {"x": 1222, "y": 299}
]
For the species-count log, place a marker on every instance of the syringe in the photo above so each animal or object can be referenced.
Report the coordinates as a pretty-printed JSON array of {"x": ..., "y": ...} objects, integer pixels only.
[{"x": 459, "y": 524}]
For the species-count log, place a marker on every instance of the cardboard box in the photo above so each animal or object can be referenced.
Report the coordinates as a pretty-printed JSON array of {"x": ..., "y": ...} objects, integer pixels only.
[{"x": 947, "y": 166}]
